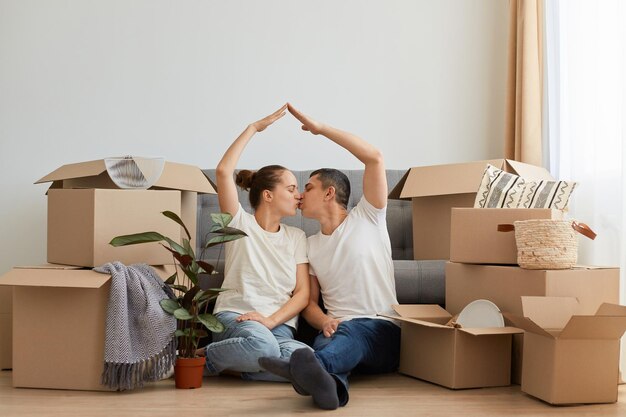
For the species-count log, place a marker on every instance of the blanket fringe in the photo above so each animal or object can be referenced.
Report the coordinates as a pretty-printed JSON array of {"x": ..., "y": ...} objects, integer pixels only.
[{"x": 128, "y": 376}]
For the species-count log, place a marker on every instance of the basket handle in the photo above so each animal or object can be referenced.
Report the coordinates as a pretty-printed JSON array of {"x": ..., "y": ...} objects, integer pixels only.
[
  {"x": 581, "y": 228},
  {"x": 584, "y": 230}
]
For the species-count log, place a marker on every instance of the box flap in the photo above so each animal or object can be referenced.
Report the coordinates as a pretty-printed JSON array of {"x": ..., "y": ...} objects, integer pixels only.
[
  {"x": 445, "y": 179},
  {"x": 184, "y": 177},
  {"x": 485, "y": 331},
  {"x": 60, "y": 278},
  {"x": 78, "y": 170},
  {"x": 397, "y": 190},
  {"x": 594, "y": 327},
  {"x": 526, "y": 324},
  {"x": 419, "y": 322},
  {"x": 608, "y": 309},
  {"x": 529, "y": 172},
  {"x": 550, "y": 313},
  {"x": 175, "y": 176},
  {"x": 430, "y": 312}
]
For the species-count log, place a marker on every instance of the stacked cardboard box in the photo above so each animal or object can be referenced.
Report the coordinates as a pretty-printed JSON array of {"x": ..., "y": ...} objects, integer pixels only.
[
  {"x": 483, "y": 265},
  {"x": 431, "y": 351},
  {"x": 59, "y": 309}
]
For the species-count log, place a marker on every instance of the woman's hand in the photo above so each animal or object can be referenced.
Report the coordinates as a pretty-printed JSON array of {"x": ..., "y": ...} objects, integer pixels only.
[
  {"x": 330, "y": 327},
  {"x": 308, "y": 124},
  {"x": 255, "y": 316},
  {"x": 262, "y": 124}
]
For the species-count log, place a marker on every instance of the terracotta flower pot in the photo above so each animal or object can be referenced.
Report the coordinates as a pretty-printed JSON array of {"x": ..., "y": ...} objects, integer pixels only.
[{"x": 188, "y": 372}]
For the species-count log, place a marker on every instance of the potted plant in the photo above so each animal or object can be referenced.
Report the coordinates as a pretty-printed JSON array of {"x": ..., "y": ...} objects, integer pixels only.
[{"x": 189, "y": 303}]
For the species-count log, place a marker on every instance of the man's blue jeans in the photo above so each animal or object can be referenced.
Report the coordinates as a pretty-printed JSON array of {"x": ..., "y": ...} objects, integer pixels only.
[
  {"x": 239, "y": 347},
  {"x": 364, "y": 345}
]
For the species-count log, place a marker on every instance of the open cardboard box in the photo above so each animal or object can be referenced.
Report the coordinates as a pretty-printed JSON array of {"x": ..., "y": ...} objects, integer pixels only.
[
  {"x": 59, "y": 315},
  {"x": 435, "y": 189},
  {"x": 86, "y": 210},
  {"x": 505, "y": 285},
  {"x": 570, "y": 358},
  {"x": 474, "y": 236},
  {"x": 452, "y": 357}
]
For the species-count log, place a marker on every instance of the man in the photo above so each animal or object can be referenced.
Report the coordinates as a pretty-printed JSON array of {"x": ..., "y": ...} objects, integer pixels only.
[{"x": 351, "y": 267}]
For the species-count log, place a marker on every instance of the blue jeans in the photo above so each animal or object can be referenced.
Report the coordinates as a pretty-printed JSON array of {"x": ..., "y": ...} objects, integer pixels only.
[
  {"x": 364, "y": 345},
  {"x": 239, "y": 347}
]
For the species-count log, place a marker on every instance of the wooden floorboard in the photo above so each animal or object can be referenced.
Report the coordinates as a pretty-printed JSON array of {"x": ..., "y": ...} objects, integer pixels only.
[{"x": 380, "y": 395}]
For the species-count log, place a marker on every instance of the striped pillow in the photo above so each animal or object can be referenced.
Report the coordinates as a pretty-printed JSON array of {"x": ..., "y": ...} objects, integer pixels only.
[
  {"x": 547, "y": 194},
  {"x": 499, "y": 189}
]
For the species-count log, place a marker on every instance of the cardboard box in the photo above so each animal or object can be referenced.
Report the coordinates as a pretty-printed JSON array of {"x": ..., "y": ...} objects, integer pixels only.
[
  {"x": 474, "y": 236},
  {"x": 505, "y": 285},
  {"x": 452, "y": 357},
  {"x": 434, "y": 190},
  {"x": 6, "y": 307},
  {"x": 59, "y": 315},
  {"x": 570, "y": 358},
  {"x": 86, "y": 210}
]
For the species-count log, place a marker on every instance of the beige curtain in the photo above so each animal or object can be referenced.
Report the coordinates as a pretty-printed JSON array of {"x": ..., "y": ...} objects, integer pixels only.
[{"x": 524, "y": 82}]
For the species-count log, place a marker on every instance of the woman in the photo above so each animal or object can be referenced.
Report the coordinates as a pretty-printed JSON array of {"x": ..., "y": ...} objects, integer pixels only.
[{"x": 266, "y": 273}]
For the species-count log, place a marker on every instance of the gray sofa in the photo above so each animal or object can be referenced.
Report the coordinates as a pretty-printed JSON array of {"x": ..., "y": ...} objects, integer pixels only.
[{"x": 417, "y": 282}]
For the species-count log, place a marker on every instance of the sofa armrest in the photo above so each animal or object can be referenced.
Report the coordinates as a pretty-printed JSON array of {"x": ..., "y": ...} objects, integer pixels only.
[{"x": 420, "y": 282}]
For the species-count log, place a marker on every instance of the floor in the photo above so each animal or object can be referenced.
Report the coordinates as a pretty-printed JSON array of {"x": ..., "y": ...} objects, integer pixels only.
[{"x": 380, "y": 395}]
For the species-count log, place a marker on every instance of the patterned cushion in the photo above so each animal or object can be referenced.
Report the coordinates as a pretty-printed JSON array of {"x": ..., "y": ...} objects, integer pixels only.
[{"x": 499, "y": 189}]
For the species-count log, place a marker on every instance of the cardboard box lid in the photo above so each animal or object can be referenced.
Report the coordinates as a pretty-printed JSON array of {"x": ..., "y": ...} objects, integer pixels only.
[
  {"x": 54, "y": 276},
  {"x": 175, "y": 176},
  {"x": 457, "y": 178},
  {"x": 432, "y": 315},
  {"x": 556, "y": 317}
]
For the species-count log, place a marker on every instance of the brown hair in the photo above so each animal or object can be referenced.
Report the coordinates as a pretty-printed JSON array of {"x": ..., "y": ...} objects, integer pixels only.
[
  {"x": 336, "y": 178},
  {"x": 256, "y": 182}
]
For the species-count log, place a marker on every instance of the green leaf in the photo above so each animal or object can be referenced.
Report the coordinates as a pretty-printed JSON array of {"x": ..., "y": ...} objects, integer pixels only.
[
  {"x": 171, "y": 279},
  {"x": 229, "y": 231},
  {"x": 211, "y": 322},
  {"x": 174, "y": 216},
  {"x": 218, "y": 240},
  {"x": 175, "y": 246},
  {"x": 188, "y": 248},
  {"x": 220, "y": 220},
  {"x": 137, "y": 238},
  {"x": 179, "y": 333},
  {"x": 170, "y": 306},
  {"x": 182, "y": 314},
  {"x": 181, "y": 288}
]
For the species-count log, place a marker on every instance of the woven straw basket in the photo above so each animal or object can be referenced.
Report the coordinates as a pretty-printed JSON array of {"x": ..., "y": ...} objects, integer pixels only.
[{"x": 548, "y": 244}]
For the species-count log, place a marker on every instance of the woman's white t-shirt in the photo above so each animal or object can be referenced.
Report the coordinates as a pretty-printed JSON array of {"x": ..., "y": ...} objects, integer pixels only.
[
  {"x": 353, "y": 265},
  {"x": 260, "y": 269}
]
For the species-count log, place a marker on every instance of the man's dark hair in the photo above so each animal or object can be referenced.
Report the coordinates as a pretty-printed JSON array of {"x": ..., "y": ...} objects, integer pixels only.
[{"x": 336, "y": 178}]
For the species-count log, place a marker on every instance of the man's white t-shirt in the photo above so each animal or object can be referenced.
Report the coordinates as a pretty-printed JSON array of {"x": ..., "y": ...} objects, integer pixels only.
[
  {"x": 260, "y": 271},
  {"x": 353, "y": 265}
]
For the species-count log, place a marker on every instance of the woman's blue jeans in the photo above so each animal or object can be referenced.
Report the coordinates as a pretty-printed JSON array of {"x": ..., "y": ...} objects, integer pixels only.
[
  {"x": 364, "y": 345},
  {"x": 241, "y": 344}
]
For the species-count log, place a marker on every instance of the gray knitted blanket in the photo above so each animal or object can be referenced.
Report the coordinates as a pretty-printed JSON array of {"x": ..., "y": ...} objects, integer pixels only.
[{"x": 139, "y": 344}]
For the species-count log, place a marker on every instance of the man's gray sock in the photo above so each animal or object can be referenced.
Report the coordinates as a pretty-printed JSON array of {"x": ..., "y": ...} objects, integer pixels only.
[
  {"x": 309, "y": 374},
  {"x": 280, "y": 367}
]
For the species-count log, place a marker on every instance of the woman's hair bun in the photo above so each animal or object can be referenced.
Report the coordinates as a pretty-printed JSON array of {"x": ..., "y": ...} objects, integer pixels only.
[{"x": 244, "y": 178}]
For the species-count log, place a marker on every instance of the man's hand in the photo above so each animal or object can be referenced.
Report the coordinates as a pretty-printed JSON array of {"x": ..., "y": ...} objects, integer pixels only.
[
  {"x": 308, "y": 124},
  {"x": 261, "y": 125},
  {"x": 255, "y": 316},
  {"x": 330, "y": 327}
]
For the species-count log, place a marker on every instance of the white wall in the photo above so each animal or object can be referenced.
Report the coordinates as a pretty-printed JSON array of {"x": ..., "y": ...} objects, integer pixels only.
[{"x": 80, "y": 80}]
